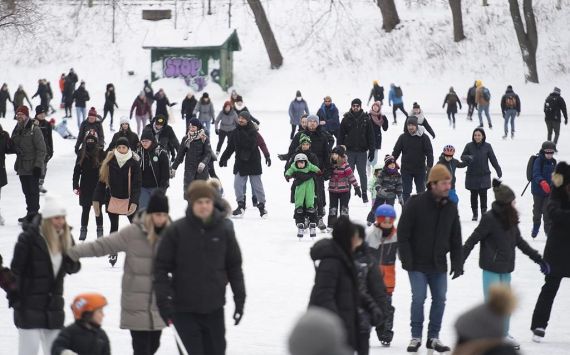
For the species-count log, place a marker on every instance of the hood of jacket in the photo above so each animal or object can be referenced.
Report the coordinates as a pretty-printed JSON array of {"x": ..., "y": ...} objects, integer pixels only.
[{"x": 328, "y": 249}]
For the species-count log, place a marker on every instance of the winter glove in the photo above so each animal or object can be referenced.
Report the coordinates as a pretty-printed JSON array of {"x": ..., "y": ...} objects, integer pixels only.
[
  {"x": 238, "y": 314},
  {"x": 544, "y": 267},
  {"x": 166, "y": 314},
  {"x": 223, "y": 163},
  {"x": 282, "y": 157},
  {"x": 13, "y": 297},
  {"x": 172, "y": 173},
  {"x": 268, "y": 161},
  {"x": 77, "y": 192},
  {"x": 455, "y": 272},
  {"x": 358, "y": 191},
  {"x": 545, "y": 187},
  {"x": 201, "y": 167},
  {"x": 96, "y": 208},
  {"x": 132, "y": 209},
  {"x": 217, "y": 132},
  {"x": 371, "y": 155},
  {"x": 566, "y": 121},
  {"x": 37, "y": 172},
  {"x": 287, "y": 178}
]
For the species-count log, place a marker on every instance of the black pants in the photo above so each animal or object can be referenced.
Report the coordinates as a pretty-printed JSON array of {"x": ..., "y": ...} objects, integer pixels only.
[
  {"x": 539, "y": 210},
  {"x": 114, "y": 219},
  {"x": 110, "y": 111},
  {"x": 470, "y": 110},
  {"x": 377, "y": 202},
  {"x": 3, "y": 113},
  {"x": 451, "y": 117},
  {"x": 293, "y": 128},
  {"x": 85, "y": 217},
  {"x": 31, "y": 190},
  {"x": 221, "y": 138},
  {"x": 552, "y": 126},
  {"x": 475, "y": 196},
  {"x": 202, "y": 334},
  {"x": 336, "y": 199},
  {"x": 541, "y": 313},
  {"x": 363, "y": 343},
  {"x": 145, "y": 342},
  {"x": 321, "y": 196},
  {"x": 400, "y": 107}
]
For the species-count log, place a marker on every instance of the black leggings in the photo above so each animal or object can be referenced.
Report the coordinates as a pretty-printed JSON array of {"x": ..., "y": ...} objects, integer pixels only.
[
  {"x": 541, "y": 314},
  {"x": 145, "y": 342},
  {"x": 111, "y": 111},
  {"x": 400, "y": 107},
  {"x": 293, "y": 128},
  {"x": 221, "y": 138},
  {"x": 85, "y": 217},
  {"x": 3, "y": 113},
  {"x": 479, "y": 194},
  {"x": 114, "y": 219},
  {"x": 451, "y": 116}
]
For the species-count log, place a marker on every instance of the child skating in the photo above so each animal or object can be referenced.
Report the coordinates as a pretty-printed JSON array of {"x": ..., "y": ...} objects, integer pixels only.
[
  {"x": 386, "y": 186},
  {"x": 341, "y": 179}
]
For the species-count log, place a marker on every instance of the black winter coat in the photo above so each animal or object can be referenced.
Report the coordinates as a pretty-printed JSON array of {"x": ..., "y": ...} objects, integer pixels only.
[
  {"x": 319, "y": 146},
  {"x": 497, "y": 250},
  {"x": 336, "y": 286},
  {"x": 188, "y": 105},
  {"x": 478, "y": 155},
  {"x": 39, "y": 302},
  {"x": 557, "y": 247},
  {"x": 415, "y": 151},
  {"x": 243, "y": 141},
  {"x": 558, "y": 106},
  {"x": 83, "y": 339},
  {"x": 110, "y": 100},
  {"x": 427, "y": 231},
  {"x": 377, "y": 93},
  {"x": 42, "y": 92},
  {"x": 378, "y": 132},
  {"x": 155, "y": 168},
  {"x": 471, "y": 95},
  {"x": 81, "y": 96},
  {"x": 166, "y": 139},
  {"x": 202, "y": 259},
  {"x": 68, "y": 90},
  {"x": 118, "y": 182},
  {"x": 451, "y": 165},
  {"x": 87, "y": 127},
  {"x": 86, "y": 176},
  {"x": 194, "y": 152},
  {"x": 131, "y": 137},
  {"x": 356, "y": 132},
  {"x": 4, "y": 96},
  {"x": 162, "y": 104},
  {"x": 46, "y": 128},
  {"x": 5, "y": 147},
  {"x": 452, "y": 101}
]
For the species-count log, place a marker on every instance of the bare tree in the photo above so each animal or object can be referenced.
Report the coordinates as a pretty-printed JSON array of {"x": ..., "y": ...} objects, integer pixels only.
[
  {"x": 458, "y": 34},
  {"x": 528, "y": 41},
  {"x": 264, "y": 27},
  {"x": 21, "y": 16},
  {"x": 389, "y": 14}
]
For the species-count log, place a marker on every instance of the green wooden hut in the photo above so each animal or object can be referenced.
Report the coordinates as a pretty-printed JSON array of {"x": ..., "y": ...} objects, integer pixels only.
[{"x": 200, "y": 57}]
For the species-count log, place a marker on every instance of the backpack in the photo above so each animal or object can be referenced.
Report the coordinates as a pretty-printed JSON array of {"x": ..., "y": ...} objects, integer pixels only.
[
  {"x": 398, "y": 91},
  {"x": 549, "y": 107},
  {"x": 511, "y": 102},
  {"x": 530, "y": 165},
  {"x": 451, "y": 99},
  {"x": 486, "y": 94}
]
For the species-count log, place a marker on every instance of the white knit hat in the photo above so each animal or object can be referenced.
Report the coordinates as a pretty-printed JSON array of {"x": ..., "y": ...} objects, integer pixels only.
[
  {"x": 125, "y": 119},
  {"x": 53, "y": 207}
]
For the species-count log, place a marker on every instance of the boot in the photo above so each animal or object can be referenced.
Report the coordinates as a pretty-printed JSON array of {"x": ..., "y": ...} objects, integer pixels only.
[
  {"x": 385, "y": 336},
  {"x": 535, "y": 229},
  {"x": 364, "y": 197},
  {"x": 483, "y": 210},
  {"x": 240, "y": 210},
  {"x": 437, "y": 345},
  {"x": 321, "y": 225},
  {"x": 538, "y": 334},
  {"x": 414, "y": 345},
  {"x": 254, "y": 200},
  {"x": 312, "y": 230},
  {"x": 300, "y": 230},
  {"x": 475, "y": 215},
  {"x": 99, "y": 231},
  {"x": 83, "y": 233},
  {"x": 262, "y": 210}
]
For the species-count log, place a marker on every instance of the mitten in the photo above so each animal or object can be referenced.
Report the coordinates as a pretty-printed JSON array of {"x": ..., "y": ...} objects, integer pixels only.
[
  {"x": 455, "y": 272},
  {"x": 223, "y": 163},
  {"x": 201, "y": 167},
  {"x": 37, "y": 172},
  {"x": 371, "y": 155},
  {"x": 268, "y": 161},
  {"x": 238, "y": 314},
  {"x": 544, "y": 186}
]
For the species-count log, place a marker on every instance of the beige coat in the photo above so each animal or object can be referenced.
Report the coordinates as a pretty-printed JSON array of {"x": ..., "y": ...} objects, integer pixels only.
[
  {"x": 479, "y": 99},
  {"x": 138, "y": 301}
]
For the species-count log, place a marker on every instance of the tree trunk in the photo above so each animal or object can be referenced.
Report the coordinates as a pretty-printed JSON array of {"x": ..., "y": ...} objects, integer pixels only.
[
  {"x": 458, "y": 34},
  {"x": 264, "y": 27},
  {"x": 528, "y": 41},
  {"x": 389, "y": 14}
]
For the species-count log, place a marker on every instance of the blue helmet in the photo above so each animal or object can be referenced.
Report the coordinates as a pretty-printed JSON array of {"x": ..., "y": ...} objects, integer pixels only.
[{"x": 385, "y": 210}]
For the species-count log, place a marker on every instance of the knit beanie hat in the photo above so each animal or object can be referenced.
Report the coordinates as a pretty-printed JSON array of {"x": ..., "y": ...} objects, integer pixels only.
[
  {"x": 556, "y": 90},
  {"x": 147, "y": 135},
  {"x": 298, "y": 94},
  {"x": 340, "y": 150},
  {"x": 24, "y": 110},
  {"x": 503, "y": 193},
  {"x": 238, "y": 99},
  {"x": 158, "y": 202},
  {"x": 304, "y": 139},
  {"x": 388, "y": 159},
  {"x": 160, "y": 120},
  {"x": 40, "y": 109},
  {"x": 356, "y": 102},
  {"x": 313, "y": 118},
  {"x": 53, "y": 207},
  {"x": 92, "y": 112},
  {"x": 413, "y": 120},
  {"x": 438, "y": 173},
  {"x": 195, "y": 122},
  {"x": 123, "y": 141},
  {"x": 124, "y": 120},
  {"x": 205, "y": 95},
  {"x": 200, "y": 189},
  {"x": 416, "y": 105},
  {"x": 245, "y": 115}
]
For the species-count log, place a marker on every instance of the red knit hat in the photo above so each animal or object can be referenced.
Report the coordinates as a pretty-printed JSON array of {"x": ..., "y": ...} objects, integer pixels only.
[
  {"x": 92, "y": 112},
  {"x": 24, "y": 110}
]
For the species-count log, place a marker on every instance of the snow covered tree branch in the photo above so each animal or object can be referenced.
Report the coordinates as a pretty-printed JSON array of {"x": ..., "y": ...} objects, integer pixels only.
[
  {"x": 528, "y": 41},
  {"x": 19, "y": 15}
]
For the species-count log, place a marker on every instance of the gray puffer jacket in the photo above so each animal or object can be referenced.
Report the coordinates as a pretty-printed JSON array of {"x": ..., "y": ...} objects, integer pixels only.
[
  {"x": 30, "y": 148},
  {"x": 226, "y": 121},
  {"x": 138, "y": 300},
  {"x": 204, "y": 111}
]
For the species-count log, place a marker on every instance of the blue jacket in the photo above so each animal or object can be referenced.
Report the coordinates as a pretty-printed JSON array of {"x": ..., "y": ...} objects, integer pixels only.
[
  {"x": 296, "y": 110},
  {"x": 541, "y": 170},
  {"x": 392, "y": 99},
  {"x": 330, "y": 116}
]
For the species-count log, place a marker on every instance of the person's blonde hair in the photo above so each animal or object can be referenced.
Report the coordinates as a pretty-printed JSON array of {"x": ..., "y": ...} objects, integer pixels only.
[
  {"x": 104, "y": 169},
  {"x": 149, "y": 226},
  {"x": 57, "y": 242}
]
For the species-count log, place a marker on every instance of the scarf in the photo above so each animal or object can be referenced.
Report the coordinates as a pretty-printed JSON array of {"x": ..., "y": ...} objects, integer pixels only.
[
  {"x": 123, "y": 158},
  {"x": 192, "y": 136},
  {"x": 377, "y": 117}
]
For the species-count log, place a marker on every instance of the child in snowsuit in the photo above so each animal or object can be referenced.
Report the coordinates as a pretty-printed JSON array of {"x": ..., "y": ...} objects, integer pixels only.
[
  {"x": 386, "y": 186},
  {"x": 339, "y": 185},
  {"x": 446, "y": 159},
  {"x": 85, "y": 336},
  {"x": 303, "y": 172},
  {"x": 381, "y": 237},
  {"x": 63, "y": 131}
]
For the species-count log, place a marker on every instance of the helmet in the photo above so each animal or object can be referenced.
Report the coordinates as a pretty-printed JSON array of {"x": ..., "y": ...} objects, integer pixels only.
[
  {"x": 449, "y": 150},
  {"x": 300, "y": 157},
  {"x": 87, "y": 302},
  {"x": 385, "y": 210}
]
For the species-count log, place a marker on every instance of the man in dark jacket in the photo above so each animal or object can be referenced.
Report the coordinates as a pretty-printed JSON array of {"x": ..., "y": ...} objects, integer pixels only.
[
  {"x": 541, "y": 185},
  {"x": 377, "y": 92},
  {"x": 188, "y": 106},
  {"x": 46, "y": 129},
  {"x": 428, "y": 229},
  {"x": 91, "y": 125},
  {"x": 328, "y": 117},
  {"x": 81, "y": 96},
  {"x": 155, "y": 169},
  {"x": 30, "y": 148},
  {"x": 471, "y": 101},
  {"x": 164, "y": 135},
  {"x": 553, "y": 106},
  {"x": 202, "y": 254},
  {"x": 416, "y": 149},
  {"x": 43, "y": 93},
  {"x": 244, "y": 142},
  {"x": 511, "y": 108},
  {"x": 357, "y": 134}
]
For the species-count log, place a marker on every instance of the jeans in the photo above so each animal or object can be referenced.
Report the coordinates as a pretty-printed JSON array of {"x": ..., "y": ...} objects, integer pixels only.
[
  {"x": 206, "y": 125},
  {"x": 144, "y": 197},
  {"x": 81, "y": 115},
  {"x": 552, "y": 126},
  {"x": 407, "y": 178},
  {"x": 400, "y": 107},
  {"x": 31, "y": 190},
  {"x": 29, "y": 340},
  {"x": 480, "y": 110},
  {"x": 490, "y": 278},
  {"x": 437, "y": 282},
  {"x": 470, "y": 110},
  {"x": 359, "y": 159},
  {"x": 256, "y": 186},
  {"x": 541, "y": 314},
  {"x": 145, "y": 342},
  {"x": 479, "y": 194},
  {"x": 510, "y": 115},
  {"x": 539, "y": 210},
  {"x": 202, "y": 334}
]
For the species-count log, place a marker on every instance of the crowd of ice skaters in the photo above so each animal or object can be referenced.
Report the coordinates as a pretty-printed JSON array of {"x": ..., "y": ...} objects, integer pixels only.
[{"x": 176, "y": 272}]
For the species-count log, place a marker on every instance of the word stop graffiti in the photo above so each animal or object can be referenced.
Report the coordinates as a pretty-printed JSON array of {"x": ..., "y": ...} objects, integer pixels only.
[{"x": 187, "y": 68}]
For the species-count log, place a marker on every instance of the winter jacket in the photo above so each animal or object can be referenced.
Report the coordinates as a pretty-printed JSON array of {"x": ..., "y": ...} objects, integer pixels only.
[
  {"x": 39, "y": 301},
  {"x": 110, "y": 100},
  {"x": 506, "y": 98},
  {"x": 81, "y": 96},
  {"x": 310, "y": 155},
  {"x": 68, "y": 90},
  {"x": 479, "y": 97},
  {"x": 205, "y": 111},
  {"x": 427, "y": 231},
  {"x": 336, "y": 286},
  {"x": 319, "y": 146},
  {"x": 471, "y": 95},
  {"x": 478, "y": 155},
  {"x": 392, "y": 98},
  {"x": 162, "y": 105},
  {"x": 416, "y": 150},
  {"x": 341, "y": 178},
  {"x": 46, "y": 129},
  {"x": 542, "y": 169},
  {"x": 141, "y": 108},
  {"x": 202, "y": 258},
  {"x": 378, "y": 131},
  {"x": 385, "y": 249},
  {"x": 226, "y": 121},
  {"x": 86, "y": 127},
  {"x": 195, "y": 151},
  {"x": 244, "y": 142},
  {"x": 356, "y": 132},
  {"x": 452, "y": 165},
  {"x": 377, "y": 93},
  {"x": 558, "y": 244},
  {"x": 155, "y": 168},
  {"x": 19, "y": 97},
  {"x": 188, "y": 106},
  {"x": 555, "y": 100},
  {"x": 422, "y": 123},
  {"x": 5, "y": 148},
  {"x": 86, "y": 175},
  {"x": 304, "y": 188},
  {"x": 82, "y": 338},
  {"x": 166, "y": 139},
  {"x": 452, "y": 101},
  {"x": 497, "y": 250},
  {"x": 387, "y": 185},
  {"x": 119, "y": 182},
  {"x": 148, "y": 92},
  {"x": 296, "y": 110},
  {"x": 138, "y": 300},
  {"x": 329, "y": 115},
  {"x": 129, "y": 135},
  {"x": 42, "y": 92},
  {"x": 4, "y": 96},
  {"x": 29, "y": 146}
]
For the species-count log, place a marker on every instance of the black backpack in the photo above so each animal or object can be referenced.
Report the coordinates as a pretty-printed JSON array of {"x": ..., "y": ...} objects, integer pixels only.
[
  {"x": 550, "y": 107},
  {"x": 398, "y": 91},
  {"x": 530, "y": 165}
]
